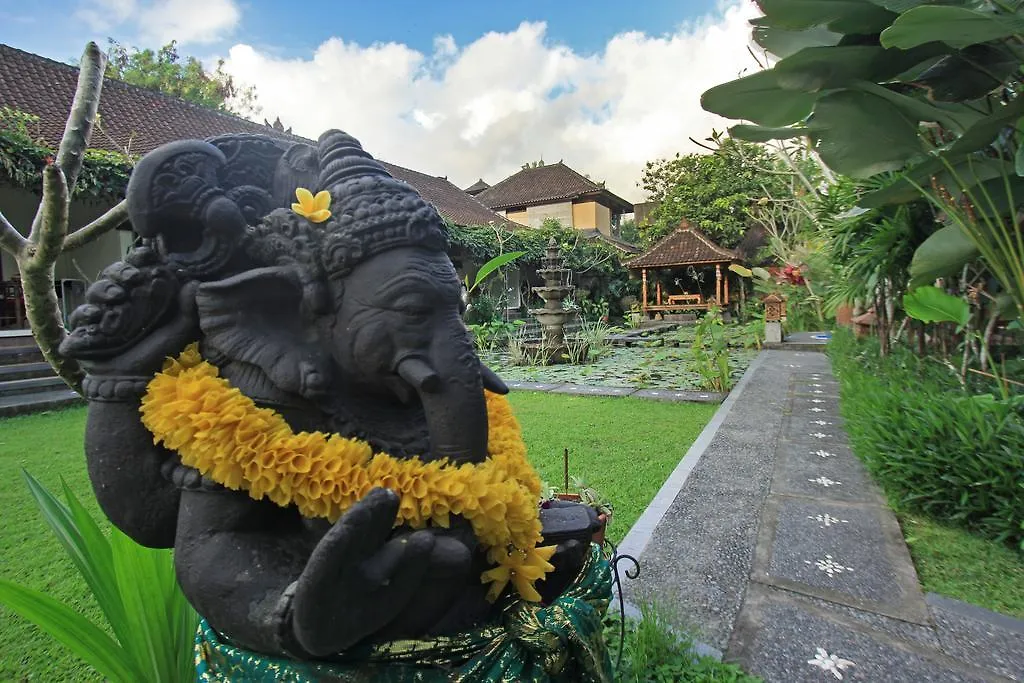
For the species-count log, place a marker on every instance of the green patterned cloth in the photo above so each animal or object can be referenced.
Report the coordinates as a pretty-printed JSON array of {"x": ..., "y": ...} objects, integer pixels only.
[{"x": 561, "y": 642}]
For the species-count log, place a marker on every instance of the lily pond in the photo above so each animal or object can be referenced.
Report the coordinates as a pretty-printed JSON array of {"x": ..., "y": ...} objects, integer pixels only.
[{"x": 638, "y": 367}]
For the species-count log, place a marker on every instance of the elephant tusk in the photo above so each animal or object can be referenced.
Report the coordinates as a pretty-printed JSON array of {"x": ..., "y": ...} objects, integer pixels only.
[
  {"x": 492, "y": 382},
  {"x": 419, "y": 374}
]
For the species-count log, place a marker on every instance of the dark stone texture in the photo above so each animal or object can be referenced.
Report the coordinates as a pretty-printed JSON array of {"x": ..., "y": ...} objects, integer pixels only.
[
  {"x": 985, "y": 639},
  {"x": 533, "y": 386},
  {"x": 680, "y": 396},
  {"x": 588, "y": 390},
  {"x": 836, "y": 479},
  {"x": 822, "y": 546},
  {"x": 776, "y": 640},
  {"x": 352, "y": 325}
]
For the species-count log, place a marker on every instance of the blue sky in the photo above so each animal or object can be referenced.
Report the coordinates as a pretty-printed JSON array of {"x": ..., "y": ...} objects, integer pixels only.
[
  {"x": 457, "y": 89},
  {"x": 54, "y": 30}
]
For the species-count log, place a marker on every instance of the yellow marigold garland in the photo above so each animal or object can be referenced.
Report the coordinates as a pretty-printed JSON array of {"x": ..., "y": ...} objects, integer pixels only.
[{"x": 221, "y": 432}]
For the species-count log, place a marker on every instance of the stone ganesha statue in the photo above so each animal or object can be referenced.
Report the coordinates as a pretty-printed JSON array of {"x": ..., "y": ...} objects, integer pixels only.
[{"x": 327, "y": 456}]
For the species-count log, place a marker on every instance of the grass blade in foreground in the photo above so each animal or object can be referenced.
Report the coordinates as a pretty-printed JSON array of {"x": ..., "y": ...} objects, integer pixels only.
[
  {"x": 71, "y": 629},
  {"x": 136, "y": 590}
]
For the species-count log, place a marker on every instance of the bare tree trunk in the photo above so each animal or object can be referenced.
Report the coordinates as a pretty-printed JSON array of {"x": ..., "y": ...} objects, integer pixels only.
[
  {"x": 37, "y": 255},
  {"x": 986, "y": 339}
]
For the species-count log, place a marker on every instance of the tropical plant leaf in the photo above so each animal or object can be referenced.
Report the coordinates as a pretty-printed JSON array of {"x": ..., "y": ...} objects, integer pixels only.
[
  {"x": 944, "y": 253},
  {"x": 740, "y": 270},
  {"x": 841, "y": 16},
  {"x": 745, "y": 131},
  {"x": 859, "y": 134},
  {"x": 967, "y": 74},
  {"x": 761, "y": 273},
  {"x": 985, "y": 130},
  {"x": 825, "y": 68},
  {"x": 758, "y": 98},
  {"x": 782, "y": 42},
  {"x": 932, "y": 305},
  {"x": 955, "y": 26},
  {"x": 964, "y": 174},
  {"x": 957, "y": 117},
  {"x": 71, "y": 629},
  {"x": 492, "y": 265}
]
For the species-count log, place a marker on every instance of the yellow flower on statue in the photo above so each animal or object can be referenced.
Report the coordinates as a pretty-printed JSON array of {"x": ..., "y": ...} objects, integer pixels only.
[{"x": 316, "y": 209}]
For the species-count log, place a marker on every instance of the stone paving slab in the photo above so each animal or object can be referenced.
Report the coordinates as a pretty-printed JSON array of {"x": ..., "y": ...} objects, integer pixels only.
[
  {"x": 807, "y": 391},
  {"x": 788, "y": 643},
  {"x": 835, "y": 479},
  {"x": 589, "y": 390},
  {"x": 817, "y": 548},
  {"x": 532, "y": 386},
  {"x": 983, "y": 638},
  {"x": 778, "y": 543},
  {"x": 680, "y": 396},
  {"x": 805, "y": 427},
  {"x": 803, "y": 404}
]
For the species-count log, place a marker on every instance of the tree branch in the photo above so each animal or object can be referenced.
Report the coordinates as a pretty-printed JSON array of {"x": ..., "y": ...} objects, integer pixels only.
[
  {"x": 11, "y": 240},
  {"x": 78, "y": 129},
  {"x": 117, "y": 216},
  {"x": 51, "y": 219}
]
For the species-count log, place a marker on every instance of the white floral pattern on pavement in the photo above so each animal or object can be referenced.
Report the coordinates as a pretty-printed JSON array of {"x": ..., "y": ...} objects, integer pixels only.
[
  {"x": 825, "y": 481},
  {"x": 823, "y": 454},
  {"x": 826, "y": 520},
  {"x": 829, "y": 566},
  {"x": 833, "y": 664}
]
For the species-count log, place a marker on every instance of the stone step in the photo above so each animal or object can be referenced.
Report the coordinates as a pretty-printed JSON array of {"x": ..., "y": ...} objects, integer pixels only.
[
  {"x": 10, "y": 338},
  {"x": 13, "y": 355},
  {"x": 32, "y": 385},
  {"x": 33, "y": 403},
  {"x": 25, "y": 371}
]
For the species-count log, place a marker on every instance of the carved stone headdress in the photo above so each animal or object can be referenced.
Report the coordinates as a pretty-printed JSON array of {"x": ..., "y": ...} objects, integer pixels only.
[{"x": 372, "y": 212}]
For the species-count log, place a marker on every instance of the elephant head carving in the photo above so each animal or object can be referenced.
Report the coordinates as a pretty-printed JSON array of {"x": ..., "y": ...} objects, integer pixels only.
[{"x": 351, "y": 326}]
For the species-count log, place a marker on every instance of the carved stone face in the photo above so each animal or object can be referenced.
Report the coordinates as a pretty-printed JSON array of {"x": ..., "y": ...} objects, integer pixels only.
[{"x": 398, "y": 334}]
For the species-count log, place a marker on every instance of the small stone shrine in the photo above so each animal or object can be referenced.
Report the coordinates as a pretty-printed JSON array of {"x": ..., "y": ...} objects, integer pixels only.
[{"x": 282, "y": 389}]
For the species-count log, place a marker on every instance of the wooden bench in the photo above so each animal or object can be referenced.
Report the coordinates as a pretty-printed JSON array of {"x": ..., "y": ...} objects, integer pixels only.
[{"x": 684, "y": 299}]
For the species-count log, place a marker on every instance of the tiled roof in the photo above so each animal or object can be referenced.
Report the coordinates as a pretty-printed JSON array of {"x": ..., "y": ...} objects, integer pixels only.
[
  {"x": 451, "y": 202},
  {"x": 545, "y": 184},
  {"x": 139, "y": 120},
  {"x": 621, "y": 245},
  {"x": 684, "y": 246},
  {"x": 477, "y": 187}
]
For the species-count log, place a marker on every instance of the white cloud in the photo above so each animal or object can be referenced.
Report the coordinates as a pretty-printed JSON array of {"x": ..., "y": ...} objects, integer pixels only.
[
  {"x": 158, "y": 22},
  {"x": 484, "y": 109}
]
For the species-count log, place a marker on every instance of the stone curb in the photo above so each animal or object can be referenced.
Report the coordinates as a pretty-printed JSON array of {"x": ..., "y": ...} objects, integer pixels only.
[{"x": 966, "y": 609}]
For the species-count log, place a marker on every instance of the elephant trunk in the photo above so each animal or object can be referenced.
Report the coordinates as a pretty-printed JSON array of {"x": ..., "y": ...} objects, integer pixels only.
[{"x": 448, "y": 381}]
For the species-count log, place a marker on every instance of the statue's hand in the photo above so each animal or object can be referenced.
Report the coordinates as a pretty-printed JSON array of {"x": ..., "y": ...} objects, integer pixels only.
[
  {"x": 146, "y": 357},
  {"x": 357, "y": 581}
]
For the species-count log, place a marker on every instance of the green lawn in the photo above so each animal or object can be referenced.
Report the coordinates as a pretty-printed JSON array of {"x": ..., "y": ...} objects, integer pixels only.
[
  {"x": 956, "y": 563},
  {"x": 612, "y": 446}
]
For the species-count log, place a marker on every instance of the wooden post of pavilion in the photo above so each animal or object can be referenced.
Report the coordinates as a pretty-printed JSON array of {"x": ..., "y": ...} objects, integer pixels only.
[
  {"x": 726, "y": 288},
  {"x": 643, "y": 275},
  {"x": 657, "y": 287},
  {"x": 718, "y": 284}
]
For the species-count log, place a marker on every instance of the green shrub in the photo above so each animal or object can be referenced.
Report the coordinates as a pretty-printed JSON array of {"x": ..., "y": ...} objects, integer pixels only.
[
  {"x": 937, "y": 449},
  {"x": 654, "y": 652},
  {"x": 709, "y": 352}
]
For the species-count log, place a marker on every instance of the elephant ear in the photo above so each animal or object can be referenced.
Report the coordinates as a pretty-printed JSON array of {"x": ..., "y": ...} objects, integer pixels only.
[{"x": 255, "y": 318}]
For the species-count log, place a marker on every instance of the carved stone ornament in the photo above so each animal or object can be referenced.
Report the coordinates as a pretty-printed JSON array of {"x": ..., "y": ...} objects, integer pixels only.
[{"x": 348, "y": 325}]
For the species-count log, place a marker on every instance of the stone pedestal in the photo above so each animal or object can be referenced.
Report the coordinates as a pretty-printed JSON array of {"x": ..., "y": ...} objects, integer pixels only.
[{"x": 773, "y": 332}]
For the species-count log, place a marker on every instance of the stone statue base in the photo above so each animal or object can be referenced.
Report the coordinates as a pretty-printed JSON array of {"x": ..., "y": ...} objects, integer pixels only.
[{"x": 560, "y": 642}]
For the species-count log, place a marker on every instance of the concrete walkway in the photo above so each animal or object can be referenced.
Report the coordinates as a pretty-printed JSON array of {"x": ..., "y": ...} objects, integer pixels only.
[{"x": 771, "y": 542}]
